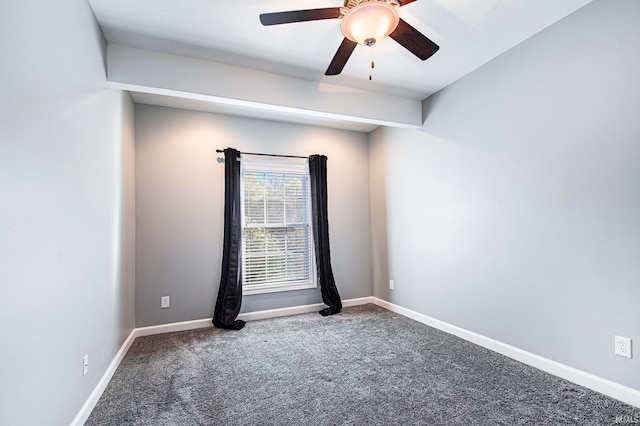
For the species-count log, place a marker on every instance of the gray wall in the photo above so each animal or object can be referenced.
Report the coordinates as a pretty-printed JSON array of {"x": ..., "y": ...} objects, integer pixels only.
[
  {"x": 180, "y": 200},
  {"x": 66, "y": 273},
  {"x": 515, "y": 211}
]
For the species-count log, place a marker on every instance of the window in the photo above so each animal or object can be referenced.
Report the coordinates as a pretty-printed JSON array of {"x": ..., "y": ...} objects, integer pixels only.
[{"x": 277, "y": 249}]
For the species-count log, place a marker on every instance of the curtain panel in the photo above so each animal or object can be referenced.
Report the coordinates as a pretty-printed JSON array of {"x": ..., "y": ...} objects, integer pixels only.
[
  {"x": 320, "y": 221},
  {"x": 229, "y": 298}
]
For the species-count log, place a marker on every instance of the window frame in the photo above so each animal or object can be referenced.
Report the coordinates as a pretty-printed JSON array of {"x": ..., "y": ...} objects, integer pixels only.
[{"x": 277, "y": 165}]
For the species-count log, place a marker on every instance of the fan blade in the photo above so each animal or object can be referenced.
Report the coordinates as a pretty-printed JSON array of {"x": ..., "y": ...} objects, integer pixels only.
[
  {"x": 414, "y": 41},
  {"x": 277, "y": 18},
  {"x": 341, "y": 57}
]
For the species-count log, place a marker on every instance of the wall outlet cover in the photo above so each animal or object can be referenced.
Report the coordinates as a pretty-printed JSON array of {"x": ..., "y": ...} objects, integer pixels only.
[
  {"x": 85, "y": 365},
  {"x": 164, "y": 302},
  {"x": 623, "y": 346}
]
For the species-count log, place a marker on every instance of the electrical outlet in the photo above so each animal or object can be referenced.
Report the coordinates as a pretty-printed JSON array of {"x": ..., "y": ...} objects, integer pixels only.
[
  {"x": 391, "y": 285},
  {"x": 164, "y": 302},
  {"x": 85, "y": 365},
  {"x": 623, "y": 346}
]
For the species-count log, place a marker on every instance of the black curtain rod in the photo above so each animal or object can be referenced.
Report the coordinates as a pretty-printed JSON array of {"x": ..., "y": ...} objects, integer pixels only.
[{"x": 266, "y": 155}]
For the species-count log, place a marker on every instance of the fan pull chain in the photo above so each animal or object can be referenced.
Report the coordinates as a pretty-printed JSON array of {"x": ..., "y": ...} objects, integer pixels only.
[{"x": 373, "y": 64}]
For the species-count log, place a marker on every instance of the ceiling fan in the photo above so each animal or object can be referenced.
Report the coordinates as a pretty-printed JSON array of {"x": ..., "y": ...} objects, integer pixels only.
[{"x": 362, "y": 22}]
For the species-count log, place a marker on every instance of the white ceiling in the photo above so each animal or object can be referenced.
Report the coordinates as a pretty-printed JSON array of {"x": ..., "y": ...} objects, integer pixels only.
[{"x": 469, "y": 33}]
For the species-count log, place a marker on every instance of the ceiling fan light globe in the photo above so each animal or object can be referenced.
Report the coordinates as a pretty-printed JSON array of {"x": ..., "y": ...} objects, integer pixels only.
[{"x": 369, "y": 20}]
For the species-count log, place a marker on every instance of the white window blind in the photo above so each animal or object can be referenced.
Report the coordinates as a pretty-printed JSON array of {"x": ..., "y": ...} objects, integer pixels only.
[{"x": 277, "y": 251}]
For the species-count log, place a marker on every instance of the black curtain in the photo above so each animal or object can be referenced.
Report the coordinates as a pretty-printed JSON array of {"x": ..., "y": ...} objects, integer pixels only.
[
  {"x": 319, "y": 218},
  {"x": 230, "y": 290}
]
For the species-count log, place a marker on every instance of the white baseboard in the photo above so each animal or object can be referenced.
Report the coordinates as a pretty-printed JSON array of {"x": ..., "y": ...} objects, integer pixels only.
[
  {"x": 248, "y": 316},
  {"x": 615, "y": 390},
  {"x": 174, "y": 326},
  {"x": 91, "y": 402},
  {"x": 295, "y": 310}
]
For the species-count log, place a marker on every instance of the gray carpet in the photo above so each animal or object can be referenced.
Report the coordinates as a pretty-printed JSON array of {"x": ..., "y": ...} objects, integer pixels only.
[{"x": 364, "y": 366}]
